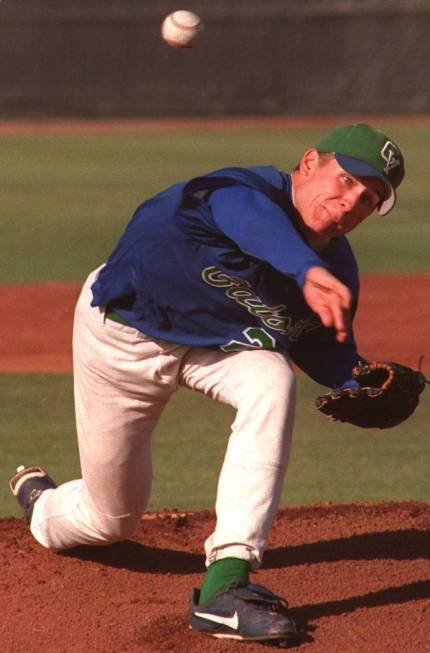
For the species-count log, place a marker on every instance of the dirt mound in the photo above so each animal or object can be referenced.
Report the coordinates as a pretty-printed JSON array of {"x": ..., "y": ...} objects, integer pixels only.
[{"x": 357, "y": 578}]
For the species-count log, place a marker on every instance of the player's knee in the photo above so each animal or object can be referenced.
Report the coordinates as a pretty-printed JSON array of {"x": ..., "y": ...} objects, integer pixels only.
[{"x": 116, "y": 529}]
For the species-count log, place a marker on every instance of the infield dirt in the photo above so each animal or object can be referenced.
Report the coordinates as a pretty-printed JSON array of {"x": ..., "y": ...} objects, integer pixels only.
[{"x": 357, "y": 578}]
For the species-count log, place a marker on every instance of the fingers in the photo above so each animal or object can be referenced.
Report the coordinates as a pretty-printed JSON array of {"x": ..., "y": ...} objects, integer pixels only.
[
  {"x": 332, "y": 315},
  {"x": 341, "y": 316},
  {"x": 330, "y": 299}
]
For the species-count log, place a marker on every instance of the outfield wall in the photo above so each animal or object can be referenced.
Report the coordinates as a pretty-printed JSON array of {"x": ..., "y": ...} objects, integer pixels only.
[{"x": 105, "y": 58}]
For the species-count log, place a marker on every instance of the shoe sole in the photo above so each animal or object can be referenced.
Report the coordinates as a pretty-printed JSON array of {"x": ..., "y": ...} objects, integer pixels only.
[
  {"x": 238, "y": 638},
  {"x": 284, "y": 638}
]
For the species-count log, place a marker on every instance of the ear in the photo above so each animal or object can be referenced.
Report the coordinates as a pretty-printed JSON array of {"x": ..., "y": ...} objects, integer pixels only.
[{"x": 309, "y": 162}]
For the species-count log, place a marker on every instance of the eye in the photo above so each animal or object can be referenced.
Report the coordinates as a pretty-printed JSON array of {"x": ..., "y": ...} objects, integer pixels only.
[
  {"x": 348, "y": 181},
  {"x": 369, "y": 200}
]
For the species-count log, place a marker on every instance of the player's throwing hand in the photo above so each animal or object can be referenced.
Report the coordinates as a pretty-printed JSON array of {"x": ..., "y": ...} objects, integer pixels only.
[{"x": 329, "y": 299}]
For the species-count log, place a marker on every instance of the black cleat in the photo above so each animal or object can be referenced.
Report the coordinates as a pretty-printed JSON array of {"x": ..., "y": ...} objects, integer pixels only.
[
  {"x": 245, "y": 611},
  {"x": 27, "y": 485}
]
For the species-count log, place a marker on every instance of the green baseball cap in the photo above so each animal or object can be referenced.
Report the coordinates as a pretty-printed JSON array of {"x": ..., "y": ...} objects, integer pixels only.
[{"x": 364, "y": 151}]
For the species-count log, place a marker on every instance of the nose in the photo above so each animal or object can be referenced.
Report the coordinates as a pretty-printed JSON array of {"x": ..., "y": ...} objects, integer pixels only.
[{"x": 349, "y": 199}]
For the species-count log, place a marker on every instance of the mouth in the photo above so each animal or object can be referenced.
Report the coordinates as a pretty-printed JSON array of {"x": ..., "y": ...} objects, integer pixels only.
[
  {"x": 333, "y": 222},
  {"x": 328, "y": 218}
]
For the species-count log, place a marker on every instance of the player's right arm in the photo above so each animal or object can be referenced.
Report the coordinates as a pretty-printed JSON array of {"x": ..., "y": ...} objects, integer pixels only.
[{"x": 262, "y": 230}]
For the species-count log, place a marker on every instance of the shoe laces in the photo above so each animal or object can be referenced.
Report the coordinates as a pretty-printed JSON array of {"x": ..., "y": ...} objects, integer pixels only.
[{"x": 275, "y": 604}]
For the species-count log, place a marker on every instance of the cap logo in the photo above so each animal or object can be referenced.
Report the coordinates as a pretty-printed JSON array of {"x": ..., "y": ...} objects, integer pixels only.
[{"x": 391, "y": 155}]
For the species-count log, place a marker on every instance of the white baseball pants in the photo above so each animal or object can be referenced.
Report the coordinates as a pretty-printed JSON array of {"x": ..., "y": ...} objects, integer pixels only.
[{"x": 123, "y": 380}]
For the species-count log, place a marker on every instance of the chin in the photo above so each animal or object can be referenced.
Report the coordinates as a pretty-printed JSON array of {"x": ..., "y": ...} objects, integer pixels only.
[
  {"x": 324, "y": 232},
  {"x": 316, "y": 240}
]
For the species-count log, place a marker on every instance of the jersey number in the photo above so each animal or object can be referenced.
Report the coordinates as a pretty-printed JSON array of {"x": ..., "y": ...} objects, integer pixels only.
[{"x": 255, "y": 339}]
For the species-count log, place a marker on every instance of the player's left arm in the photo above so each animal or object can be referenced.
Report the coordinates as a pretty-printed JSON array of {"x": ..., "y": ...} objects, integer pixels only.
[{"x": 325, "y": 360}]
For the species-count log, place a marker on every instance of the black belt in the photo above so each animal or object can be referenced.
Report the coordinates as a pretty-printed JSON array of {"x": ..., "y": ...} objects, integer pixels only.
[{"x": 116, "y": 317}]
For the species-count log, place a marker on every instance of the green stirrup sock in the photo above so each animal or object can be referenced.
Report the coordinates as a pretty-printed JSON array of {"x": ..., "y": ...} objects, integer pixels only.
[{"x": 221, "y": 574}]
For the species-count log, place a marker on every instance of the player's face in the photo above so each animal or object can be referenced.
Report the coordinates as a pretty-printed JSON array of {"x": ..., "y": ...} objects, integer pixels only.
[{"x": 331, "y": 201}]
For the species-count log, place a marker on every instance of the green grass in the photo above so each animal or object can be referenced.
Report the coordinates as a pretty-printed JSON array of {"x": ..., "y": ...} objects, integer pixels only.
[
  {"x": 330, "y": 462},
  {"x": 67, "y": 197}
]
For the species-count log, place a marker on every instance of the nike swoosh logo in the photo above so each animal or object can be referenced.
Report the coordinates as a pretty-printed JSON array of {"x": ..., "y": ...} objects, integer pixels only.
[{"x": 232, "y": 622}]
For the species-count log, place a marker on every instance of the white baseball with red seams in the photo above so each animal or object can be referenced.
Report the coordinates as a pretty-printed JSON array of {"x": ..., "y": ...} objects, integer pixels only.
[{"x": 181, "y": 29}]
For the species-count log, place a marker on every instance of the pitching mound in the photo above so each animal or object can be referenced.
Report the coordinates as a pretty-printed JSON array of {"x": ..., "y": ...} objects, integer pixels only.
[{"x": 356, "y": 578}]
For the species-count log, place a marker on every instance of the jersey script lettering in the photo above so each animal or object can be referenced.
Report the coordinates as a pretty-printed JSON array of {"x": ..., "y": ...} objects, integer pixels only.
[{"x": 240, "y": 291}]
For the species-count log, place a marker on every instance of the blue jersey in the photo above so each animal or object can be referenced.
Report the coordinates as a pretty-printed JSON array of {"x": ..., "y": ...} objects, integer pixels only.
[{"x": 219, "y": 261}]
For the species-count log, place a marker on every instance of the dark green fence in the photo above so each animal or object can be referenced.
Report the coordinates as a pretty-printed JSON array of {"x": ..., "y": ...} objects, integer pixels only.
[{"x": 105, "y": 58}]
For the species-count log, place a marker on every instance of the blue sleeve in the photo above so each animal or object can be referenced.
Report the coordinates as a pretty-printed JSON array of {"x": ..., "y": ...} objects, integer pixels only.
[
  {"x": 319, "y": 354},
  {"x": 327, "y": 361},
  {"x": 261, "y": 229}
]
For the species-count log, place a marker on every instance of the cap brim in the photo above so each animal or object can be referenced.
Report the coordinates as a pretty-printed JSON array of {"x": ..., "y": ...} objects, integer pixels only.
[{"x": 361, "y": 169}]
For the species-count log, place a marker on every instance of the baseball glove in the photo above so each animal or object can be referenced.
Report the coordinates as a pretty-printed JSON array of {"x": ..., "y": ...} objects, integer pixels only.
[{"x": 388, "y": 393}]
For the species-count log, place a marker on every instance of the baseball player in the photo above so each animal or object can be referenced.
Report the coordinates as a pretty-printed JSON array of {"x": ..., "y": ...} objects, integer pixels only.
[{"x": 217, "y": 284}]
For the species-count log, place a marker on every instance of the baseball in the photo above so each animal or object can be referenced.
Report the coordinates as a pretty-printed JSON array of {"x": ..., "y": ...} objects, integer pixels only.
[{"x": 181, "y": 29}]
